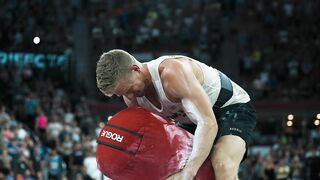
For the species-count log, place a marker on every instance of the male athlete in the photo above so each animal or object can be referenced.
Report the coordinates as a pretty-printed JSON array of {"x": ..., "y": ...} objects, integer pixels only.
[{"x": 194, "y": 95}]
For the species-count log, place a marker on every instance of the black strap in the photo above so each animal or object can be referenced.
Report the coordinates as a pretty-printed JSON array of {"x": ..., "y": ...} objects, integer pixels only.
[
  {"x": 226, "y": 91},
  {"x": 116, "y": 147}
]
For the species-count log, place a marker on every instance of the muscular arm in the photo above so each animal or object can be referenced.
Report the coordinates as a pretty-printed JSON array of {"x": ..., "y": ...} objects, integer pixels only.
[{"x": 181, "y": 83}]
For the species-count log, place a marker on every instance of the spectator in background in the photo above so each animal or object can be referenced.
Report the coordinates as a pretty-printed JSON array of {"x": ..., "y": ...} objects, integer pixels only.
[
  {"x": 4, "y": 119},
  {"x": 77, "y": 158},
  {"x": 69, "y": 116},
  {"x": 296, "y": 168},
  {"x": 258, "y": 168},
  {"x": 282, "y": 170},
  {"x": 37, "y": 161},
  {"x": 54, "y": 127},
  {"x": 86, "y": 125},
  {"x": 4, "y": 116},
  {"x": 313, "y": 163},
  {"x": 4, "y": 164},
  {"x": 21, "y": 133},
  {"x": 269, "y": 168},
  {"x": 41, "y": 124},
  {"x": 13, "y": 122},
  {"x": 22, "y": 166},
  {"x": 55, "y": 165},
  {"x": 66, "y": 150},
  {"x": 12, "y": 147},
  {"x": 31, "y": 104},
  {"x": 7, "y": 133},
  {"x": 90, "y": 165},
  {"x": 76, "y": 131}
]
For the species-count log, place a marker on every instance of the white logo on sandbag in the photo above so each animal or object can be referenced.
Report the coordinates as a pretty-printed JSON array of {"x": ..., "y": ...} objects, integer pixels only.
[{"x": 111, "y": 135}]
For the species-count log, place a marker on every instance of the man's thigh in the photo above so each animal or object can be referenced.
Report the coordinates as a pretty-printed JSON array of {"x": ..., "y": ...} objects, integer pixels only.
[
  {"x": 226, "y": 156},
  {"x": 229, "y": 147}
]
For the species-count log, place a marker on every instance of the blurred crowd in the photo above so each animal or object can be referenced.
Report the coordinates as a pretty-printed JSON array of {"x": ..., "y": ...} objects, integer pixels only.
[
  {"x": 286, "y": 158},
  {"x": 277, "y": 42},
  {"x": 190, "y": 27},
  {"x": 47, "y": 128},
  {"x": 47, "y": 132}
]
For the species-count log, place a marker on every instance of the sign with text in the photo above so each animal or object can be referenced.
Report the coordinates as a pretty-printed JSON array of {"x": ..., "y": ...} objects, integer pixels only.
[{"x": 40, "y": 60}]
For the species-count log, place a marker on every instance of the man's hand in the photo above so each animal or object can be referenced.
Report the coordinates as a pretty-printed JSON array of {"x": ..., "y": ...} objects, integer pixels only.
[{"x": 185, "y": 174}]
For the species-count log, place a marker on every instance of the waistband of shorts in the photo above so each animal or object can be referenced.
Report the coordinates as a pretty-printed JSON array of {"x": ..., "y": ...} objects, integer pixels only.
[{"x": 224, "y": 109}]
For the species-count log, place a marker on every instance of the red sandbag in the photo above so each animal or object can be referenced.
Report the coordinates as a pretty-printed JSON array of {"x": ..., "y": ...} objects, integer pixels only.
[{"x": 137, "y": 144}]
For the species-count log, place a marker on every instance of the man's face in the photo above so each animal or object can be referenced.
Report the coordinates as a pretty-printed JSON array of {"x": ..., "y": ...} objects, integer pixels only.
[{"x": 132, "y": 87}]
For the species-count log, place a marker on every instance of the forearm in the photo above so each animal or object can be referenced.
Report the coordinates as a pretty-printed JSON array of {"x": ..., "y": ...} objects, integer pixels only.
[{"x": 202, "y": 144}]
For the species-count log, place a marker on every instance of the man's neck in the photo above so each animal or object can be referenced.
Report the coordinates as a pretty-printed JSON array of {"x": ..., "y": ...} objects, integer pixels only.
[{"x": 146, "y": 74}]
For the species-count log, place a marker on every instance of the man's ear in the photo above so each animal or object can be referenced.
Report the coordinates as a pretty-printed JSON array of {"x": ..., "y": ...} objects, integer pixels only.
[{"x": 135, "y": 68}]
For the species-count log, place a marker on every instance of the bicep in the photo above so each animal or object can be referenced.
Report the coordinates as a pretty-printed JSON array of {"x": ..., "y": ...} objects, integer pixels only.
[{"x": 197, "y": 105}]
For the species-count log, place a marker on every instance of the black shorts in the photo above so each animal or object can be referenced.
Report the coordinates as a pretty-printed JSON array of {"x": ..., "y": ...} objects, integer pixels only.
[{"x": 236, "y": 119}]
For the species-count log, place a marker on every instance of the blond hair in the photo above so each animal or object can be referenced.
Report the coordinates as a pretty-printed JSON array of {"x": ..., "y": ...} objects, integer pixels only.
[{"x": 111, "y": 67}]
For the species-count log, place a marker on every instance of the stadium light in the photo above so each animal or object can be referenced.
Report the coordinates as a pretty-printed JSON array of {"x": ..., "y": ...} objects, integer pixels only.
[
  {"x": 290, "y": 117},
  {"x": 289, "y": 123},
  {"x": 317, "y": 122},
  {"x": 36, "y": 40},
  {"x": 318, "y": 116}
]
